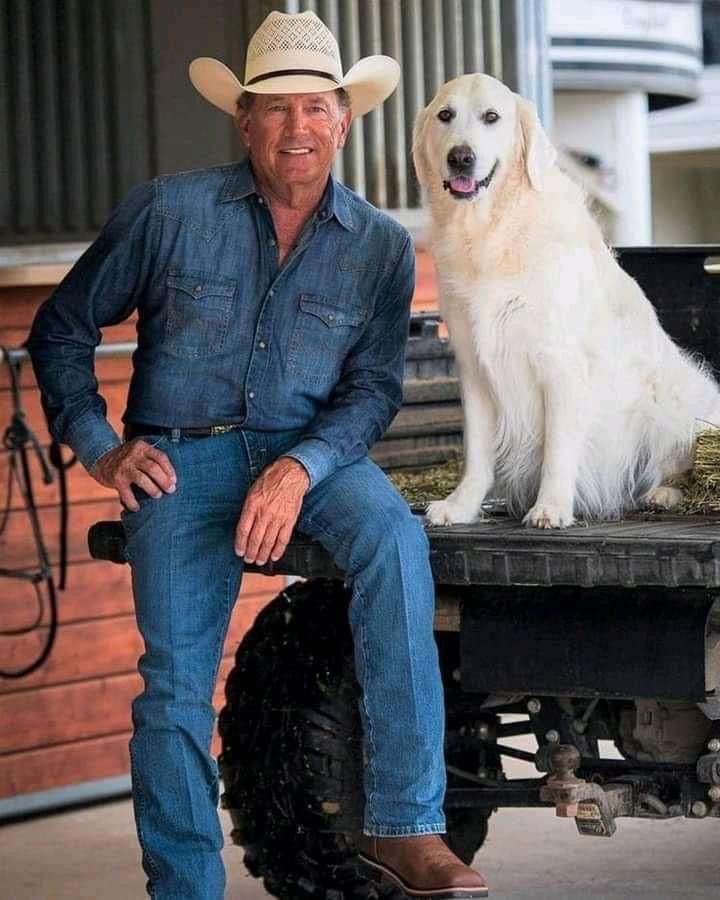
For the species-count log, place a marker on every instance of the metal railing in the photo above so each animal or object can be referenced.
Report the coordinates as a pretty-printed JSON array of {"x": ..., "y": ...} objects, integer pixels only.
[{"x": 17, "y": 355}]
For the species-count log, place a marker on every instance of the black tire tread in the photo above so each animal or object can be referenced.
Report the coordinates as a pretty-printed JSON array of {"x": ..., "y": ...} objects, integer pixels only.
[{"x": 291, "y": 760}]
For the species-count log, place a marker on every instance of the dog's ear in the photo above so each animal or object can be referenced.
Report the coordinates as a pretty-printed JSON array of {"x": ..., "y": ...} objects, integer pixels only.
[
  {"x": 539, "y": 154},
  {"x": 419, "y": 151}
]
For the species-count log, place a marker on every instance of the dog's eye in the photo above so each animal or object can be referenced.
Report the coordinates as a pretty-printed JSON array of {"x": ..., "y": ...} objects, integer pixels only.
[
  {"x": 490, "y": 116},
  {"x": 446, "y": 115}
]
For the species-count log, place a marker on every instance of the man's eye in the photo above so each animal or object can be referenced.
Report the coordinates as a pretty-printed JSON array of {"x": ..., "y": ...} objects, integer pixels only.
[
  {"x": 490, "y": 116},
  {"x": 446, "y": 115}
]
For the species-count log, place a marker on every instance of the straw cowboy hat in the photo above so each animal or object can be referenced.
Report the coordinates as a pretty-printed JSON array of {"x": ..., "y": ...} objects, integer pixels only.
[{"x": 296, "y": 54}]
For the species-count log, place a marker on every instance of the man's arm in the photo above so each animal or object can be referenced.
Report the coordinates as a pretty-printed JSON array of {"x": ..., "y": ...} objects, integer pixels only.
[
  {"x": 101, "y": 289},
  {"x": 369, "y": 393}
]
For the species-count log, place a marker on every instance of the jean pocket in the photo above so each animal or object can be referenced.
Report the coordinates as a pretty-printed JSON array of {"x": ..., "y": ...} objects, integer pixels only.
[
  {"x": 199, "y": 309},
  {"x": 132, "y": 518},
  {"x": 141, "y": 496},
  {"x": 324, "y": 332}
]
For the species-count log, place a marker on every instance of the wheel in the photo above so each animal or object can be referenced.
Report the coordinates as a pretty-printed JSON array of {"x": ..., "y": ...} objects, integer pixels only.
[{"x": 291, "y": 760}]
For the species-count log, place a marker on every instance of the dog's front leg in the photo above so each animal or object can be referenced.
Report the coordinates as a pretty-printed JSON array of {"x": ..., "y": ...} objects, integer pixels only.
[
  {"x": 464, "y": 504},
  {"x": 565, "y": 411}
]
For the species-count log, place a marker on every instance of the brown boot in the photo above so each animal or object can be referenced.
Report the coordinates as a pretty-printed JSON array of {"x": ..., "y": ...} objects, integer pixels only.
[{"x": 421, "y": 865}]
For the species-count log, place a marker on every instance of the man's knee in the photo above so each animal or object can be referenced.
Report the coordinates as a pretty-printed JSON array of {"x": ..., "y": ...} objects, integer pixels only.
[
  {"x": 360, "y": 516},
  {"x": 388, "y": 530}
]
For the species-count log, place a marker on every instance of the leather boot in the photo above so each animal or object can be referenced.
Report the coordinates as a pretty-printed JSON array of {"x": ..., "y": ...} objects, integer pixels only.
[{"x": 421, "y": 865}]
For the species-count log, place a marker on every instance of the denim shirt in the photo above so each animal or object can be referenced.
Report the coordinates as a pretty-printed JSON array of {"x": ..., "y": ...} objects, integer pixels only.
[{"x": 224, "y": 333}]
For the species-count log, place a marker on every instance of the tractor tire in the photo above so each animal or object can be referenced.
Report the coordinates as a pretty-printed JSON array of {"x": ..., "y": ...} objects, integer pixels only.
[{"x": 291, "y": 760}]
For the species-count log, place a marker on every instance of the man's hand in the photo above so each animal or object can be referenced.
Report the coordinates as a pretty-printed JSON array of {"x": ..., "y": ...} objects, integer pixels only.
[
  {"x": 135, "y": 462},
  {"x": 270, "y": 512}
]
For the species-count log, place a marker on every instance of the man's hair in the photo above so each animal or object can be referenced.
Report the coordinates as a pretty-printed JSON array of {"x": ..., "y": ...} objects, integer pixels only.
[{"x": 247, "y": 99}]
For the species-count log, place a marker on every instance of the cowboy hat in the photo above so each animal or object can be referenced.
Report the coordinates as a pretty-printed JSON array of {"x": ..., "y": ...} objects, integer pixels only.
[{"x": 296, "y": 54}]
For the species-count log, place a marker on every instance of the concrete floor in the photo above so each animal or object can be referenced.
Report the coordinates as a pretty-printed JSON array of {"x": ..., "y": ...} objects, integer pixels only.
[{"x": 91, "y": 853}]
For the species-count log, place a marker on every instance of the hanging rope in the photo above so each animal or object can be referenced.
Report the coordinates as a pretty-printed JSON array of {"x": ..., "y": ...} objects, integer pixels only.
[
  {"x": 62, "y": 467},
  {"x": 18, "y": 441}
]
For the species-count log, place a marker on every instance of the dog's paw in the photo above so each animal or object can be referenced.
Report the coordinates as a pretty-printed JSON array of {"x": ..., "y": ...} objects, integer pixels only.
[
  {"x": 450, "y": 512},
  {"x": 548, "y": 515},
  {"x": 664, "y": 497}
]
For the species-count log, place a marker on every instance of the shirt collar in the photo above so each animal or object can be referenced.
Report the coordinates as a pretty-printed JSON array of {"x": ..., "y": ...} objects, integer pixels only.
[
  {"x": 240, "y": 184},
  {"x": 339, "y": 204}
]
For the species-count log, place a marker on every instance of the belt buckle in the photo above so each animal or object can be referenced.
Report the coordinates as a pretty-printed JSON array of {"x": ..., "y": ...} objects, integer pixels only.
[{"x": 220, "y": 429}]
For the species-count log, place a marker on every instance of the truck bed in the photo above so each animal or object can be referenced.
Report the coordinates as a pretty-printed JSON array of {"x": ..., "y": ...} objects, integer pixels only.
[{"x": 642, "y": 550}]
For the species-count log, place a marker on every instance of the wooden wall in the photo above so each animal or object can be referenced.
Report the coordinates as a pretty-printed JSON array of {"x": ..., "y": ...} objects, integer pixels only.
[{"x": 69, "y": 722}]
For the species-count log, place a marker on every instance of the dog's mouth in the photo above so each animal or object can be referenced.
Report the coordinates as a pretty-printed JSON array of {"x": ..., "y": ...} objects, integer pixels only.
[{"x": 465, "y": 187}]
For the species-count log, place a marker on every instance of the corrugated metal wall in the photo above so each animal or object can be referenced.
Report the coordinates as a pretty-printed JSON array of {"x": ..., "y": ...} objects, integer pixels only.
[
  {"x": 81, "y": 95},
  {"x": 76, "y": 129},
  {"x": 433, "y": 40}
]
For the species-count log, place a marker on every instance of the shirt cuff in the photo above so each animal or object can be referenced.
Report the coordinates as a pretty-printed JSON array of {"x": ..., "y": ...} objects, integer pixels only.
[
  {"x": 91, "y": 437},
  {"x": 317, "y": 457}
]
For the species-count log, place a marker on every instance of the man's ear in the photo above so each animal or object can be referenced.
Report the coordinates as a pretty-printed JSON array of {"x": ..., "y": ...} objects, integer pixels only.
[
  {"x": 538, "y": 153},
  {"x": 419, "y": 150},
  {"x": 345, "y": 123},
  {"x": 241, "y": 123}
]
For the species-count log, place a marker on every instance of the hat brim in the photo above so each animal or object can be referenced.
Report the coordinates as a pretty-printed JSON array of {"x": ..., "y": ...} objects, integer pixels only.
[{"x": 368, "y": 83}]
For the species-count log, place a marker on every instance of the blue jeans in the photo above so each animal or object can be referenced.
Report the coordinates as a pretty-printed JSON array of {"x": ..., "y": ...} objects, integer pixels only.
[{"x": 186, "y": 577}]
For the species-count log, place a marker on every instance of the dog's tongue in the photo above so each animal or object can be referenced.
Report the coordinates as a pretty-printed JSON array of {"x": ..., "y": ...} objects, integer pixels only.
[{"x": 463, "y": 184}]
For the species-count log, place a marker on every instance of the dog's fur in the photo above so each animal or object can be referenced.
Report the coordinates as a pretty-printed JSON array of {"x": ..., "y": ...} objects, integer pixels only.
[{"x": 575, "y": 401}]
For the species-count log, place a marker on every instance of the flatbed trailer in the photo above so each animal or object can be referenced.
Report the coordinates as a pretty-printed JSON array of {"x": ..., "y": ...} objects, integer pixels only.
[{"x": 569, "y": 638}]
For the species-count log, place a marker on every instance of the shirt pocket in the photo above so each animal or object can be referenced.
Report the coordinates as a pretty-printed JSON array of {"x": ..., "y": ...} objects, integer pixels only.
[
  {"x": 199, "y": 309},
  {"x": 324, "y": 332}
]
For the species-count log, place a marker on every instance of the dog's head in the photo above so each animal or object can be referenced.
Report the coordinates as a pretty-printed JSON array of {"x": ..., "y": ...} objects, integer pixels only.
[{"x": 472, "y": 134}]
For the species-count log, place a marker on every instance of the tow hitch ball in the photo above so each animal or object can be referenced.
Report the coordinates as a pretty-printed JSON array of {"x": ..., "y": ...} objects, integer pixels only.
[{"x": 593, "y": 807}]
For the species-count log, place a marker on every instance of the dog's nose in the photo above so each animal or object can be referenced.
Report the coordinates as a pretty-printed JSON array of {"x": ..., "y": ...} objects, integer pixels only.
[{"x": 461, "y": 159}]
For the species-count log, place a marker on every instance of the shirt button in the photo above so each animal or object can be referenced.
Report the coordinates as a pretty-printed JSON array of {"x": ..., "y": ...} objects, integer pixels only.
[
  {"x": 272, "y": 242},
  {"x": 331, "y": 317},
  {"x": 261, "y": 201},
  {"x": 271, "y": 293},
  {"x": 251, "y": 394},
  {"x": 198, "y": 289},
  {"x": 263, "y": 344}
]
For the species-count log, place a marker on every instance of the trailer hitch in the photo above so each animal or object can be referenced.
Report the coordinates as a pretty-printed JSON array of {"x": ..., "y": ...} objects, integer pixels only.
[{"x": 594, "y": 807}]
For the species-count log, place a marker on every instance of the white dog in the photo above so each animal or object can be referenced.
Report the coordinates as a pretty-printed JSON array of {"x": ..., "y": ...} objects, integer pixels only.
[{"x": 575, "y": 401}]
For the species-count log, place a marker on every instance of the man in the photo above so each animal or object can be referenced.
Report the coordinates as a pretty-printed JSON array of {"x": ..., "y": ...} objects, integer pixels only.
[{"x": 273, "y": 312}]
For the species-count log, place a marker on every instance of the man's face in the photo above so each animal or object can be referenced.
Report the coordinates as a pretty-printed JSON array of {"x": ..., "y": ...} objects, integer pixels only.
[{"x": 293, "y": 138}]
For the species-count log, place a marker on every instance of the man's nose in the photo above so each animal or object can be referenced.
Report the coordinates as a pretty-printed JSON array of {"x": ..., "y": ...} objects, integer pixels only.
[
  {"x": 297, "y": 119},
  {"x": 461, "y": 158}
]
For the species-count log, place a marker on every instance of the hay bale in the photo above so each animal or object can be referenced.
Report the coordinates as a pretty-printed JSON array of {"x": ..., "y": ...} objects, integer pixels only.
[
  {"x": 702, "y": 482},
  {"x": 421, "y": 485},
  {"x": 701, "y": 485}
]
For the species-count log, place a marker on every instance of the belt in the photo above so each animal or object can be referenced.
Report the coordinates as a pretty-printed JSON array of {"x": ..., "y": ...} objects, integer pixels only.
[{"x": 133, "y": 429}]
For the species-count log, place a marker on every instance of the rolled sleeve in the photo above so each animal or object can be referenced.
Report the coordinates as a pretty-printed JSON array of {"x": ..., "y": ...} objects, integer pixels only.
[
  {"x": 317, "y": 458},
  {"x": 91, "y": 436}
]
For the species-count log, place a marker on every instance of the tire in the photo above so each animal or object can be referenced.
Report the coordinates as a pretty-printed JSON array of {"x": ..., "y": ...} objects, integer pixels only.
[{"x": 291, "y": 760}]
